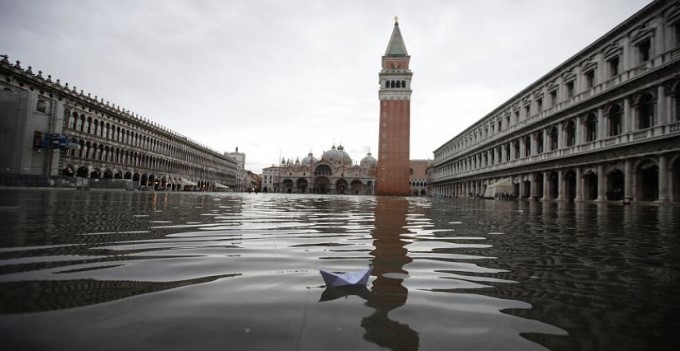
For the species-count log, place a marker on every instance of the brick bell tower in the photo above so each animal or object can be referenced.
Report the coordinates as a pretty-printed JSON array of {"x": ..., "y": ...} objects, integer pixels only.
[{"x": 392, "y": 175}]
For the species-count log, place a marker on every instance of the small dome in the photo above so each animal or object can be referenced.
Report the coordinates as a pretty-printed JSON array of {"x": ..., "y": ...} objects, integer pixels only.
[
  {"x": 368, "y": 161},
  {"x": 337, "y": 155},
  {"x": 309, "y": 159}
]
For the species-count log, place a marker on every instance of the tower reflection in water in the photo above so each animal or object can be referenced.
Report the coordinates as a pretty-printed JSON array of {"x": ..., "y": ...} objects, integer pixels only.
[{"x": 387, "y": 291}]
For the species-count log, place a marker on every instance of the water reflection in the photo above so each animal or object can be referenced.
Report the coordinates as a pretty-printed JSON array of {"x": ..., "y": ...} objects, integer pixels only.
[{"x": 387, "y": 291}]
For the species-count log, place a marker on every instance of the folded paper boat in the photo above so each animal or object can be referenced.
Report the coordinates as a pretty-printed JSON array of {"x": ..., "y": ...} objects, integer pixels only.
[{"x": 334, "y": 279}]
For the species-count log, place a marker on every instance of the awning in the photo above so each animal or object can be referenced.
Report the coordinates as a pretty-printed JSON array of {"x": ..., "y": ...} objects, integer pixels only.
[
  {"x": 499, "y": 187},
  {"x": 220, "y": 186},
  {"x": 185, "y": 182}
]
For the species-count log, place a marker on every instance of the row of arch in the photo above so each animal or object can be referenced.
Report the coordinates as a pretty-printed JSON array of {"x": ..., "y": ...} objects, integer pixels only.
[
  {"x": 136, "y": 139},
  {"x": 398, "y": 84},
  {"x": 323, "y": 185},
  {"x": 145, "y": 181},
  {"x": 583, "y": 129},
  {"x": 645, "y": 179},
  {"x": 91, "y": 150}
]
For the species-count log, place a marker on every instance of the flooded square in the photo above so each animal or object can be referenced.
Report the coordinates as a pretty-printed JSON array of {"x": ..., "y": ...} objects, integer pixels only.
[{"x": 103, "y": 270}]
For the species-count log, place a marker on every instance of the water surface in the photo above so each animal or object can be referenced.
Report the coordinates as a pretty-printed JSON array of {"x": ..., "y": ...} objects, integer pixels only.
[{"x": 206, "y": 271}]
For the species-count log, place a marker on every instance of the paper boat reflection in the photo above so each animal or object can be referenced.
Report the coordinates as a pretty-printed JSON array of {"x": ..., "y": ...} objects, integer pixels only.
[
  {"x": 330, "y": 294},
  {"x": 335, "y": 279}
]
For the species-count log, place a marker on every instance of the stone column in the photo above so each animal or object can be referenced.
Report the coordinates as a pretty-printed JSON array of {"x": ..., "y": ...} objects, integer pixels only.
[
  {"x": 532, "y": 186},
  {"x": 601, "y": 127},
  {"x": 579, "y": 131},
  {"x": 522, "y": 148},
  {"x": 663, "y": 179},
  {"x": 601, "y": 184},
  {"x": 627, "y": 116},
  {"x": 546, "y": 188},
  {"x": 661, "y": 106},
  {"x": 628, "y": 191},
  {"x": 560, "y": 185},
  {"x": 521, "y": 187},
  {"x": 579, "y": 185}
]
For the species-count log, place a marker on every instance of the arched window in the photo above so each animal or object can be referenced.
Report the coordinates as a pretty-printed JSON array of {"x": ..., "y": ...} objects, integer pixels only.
[
  {"x": 527, "y": 146},
  {"x": 570, "y": 130},
  {"x": 615, "y": 117},
  {"x": 591, "y": 128},
  {"x": 539, "y": 142},
  {"x": 645, "y": 111},
  {"x": 554, "y": 135}
]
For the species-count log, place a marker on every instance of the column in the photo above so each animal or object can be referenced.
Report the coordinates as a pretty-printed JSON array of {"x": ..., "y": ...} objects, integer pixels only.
[
  {"x": 532, "y": 187},
  {"x": 579, "y": 131},
  {"x": 661, "y": 106},
  {"x": 601, "y": 184},
  {"x": 546, "y": 140},
  {"x": 663, "y": 179},
  {"x": 521, "y": 187},
  {"x": 546, "y": 188},
  {"x": 522, "y": 149},
  {"x": 560, "y": 185},
  {"x": 628, "y": 190},
  {"x": 579, "y": 185},
  {"x": 627, "y": 116},
  {"x": 601, "y": 127}
]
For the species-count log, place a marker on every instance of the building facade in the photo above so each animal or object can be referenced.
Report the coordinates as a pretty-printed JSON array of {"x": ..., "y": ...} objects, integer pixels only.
[
  {"x": 333, "y": 173},
  {"x": 242, "y": 178},
  {"x": 395, "y": 118},
  {"x": 54, "y": 131},
  {"x": 602, "y": 126},
  {"x": 419, "y": 177}
]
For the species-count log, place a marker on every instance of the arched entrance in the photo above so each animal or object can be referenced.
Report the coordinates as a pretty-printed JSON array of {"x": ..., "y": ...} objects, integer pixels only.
[
  {"x": 647, "y": 181},
  {"x": 357, "y": 187},
  {"x": 118, "y": 175},
  {"x": 615, "y": 185},
  {"x": 108, "y": 174},
  {"x": 96, "y": 173},
  {"x": 287, "y": 186},
  {"x": 340, "y": 186},
  {"x": 144, "y": 181},
  {"x": 321, "y": 185},
  {"x": 68, "y": 171},
  {"x": 128, "y": 175},
  {"x": 538, "y": 185},
  {"x": 301, "y": 185},
  {"x": 82, "y": 172},
  {"x": 590, "y": 185}
]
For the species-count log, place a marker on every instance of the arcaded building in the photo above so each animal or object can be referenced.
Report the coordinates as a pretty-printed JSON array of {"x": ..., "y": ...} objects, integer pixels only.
[
  {"x": 54, "y": 134},
  {"x": 333, "y": 173},
  {"x": 602, "y": 126}
]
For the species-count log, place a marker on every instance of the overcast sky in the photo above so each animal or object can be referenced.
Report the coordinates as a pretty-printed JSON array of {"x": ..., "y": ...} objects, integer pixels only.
[{"x": 283, "y": 78}]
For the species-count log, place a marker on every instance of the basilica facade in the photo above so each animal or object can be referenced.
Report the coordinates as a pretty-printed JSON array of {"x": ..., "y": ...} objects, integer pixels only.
[{"x": 333, "y": 173}]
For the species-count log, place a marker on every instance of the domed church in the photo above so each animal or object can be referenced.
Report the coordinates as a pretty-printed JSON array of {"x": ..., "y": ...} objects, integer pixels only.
[{"x": 334, "y": 173}]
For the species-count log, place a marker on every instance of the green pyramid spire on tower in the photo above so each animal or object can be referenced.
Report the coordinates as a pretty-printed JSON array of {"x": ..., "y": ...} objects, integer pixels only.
[{"x": 396, "y": 47}]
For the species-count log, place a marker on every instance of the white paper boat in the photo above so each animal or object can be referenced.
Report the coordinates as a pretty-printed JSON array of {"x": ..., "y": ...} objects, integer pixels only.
[{"x": 334, "y": 279}]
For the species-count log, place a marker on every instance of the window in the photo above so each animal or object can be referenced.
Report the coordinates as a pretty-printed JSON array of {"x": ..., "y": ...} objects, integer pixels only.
[
  {"x": 517, "y": 116},
  {"x": 615, "y": 120},
  {"x": 645, "y": 111},
  {"x": 41, "y": 106},
  {"x": 590, "y": 79},
  {"x": 676, "y": 103},
  {"x": 527, "y": 111},
  {"x": 644, "y": 49},
  {"x": 553, "y": 98},
  {"x": 553, "y": 138},
  {"x": 507, "y": 121},
  {"x": 570, "y": 89},
  {"x": 527, "y": 146},
  {"x": 591, "y": 128},
  {"x": 613, "y": 65},
  {"x": 676, "y": 26},
  {"x": 539, "y": 104},
  {"x": 571, "y": 133},
  {"x": 539, "y": 143}
]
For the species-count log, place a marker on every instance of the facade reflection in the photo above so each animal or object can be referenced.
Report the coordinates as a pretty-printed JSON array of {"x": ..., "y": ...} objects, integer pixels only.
[{"x": 387, "y": 291}]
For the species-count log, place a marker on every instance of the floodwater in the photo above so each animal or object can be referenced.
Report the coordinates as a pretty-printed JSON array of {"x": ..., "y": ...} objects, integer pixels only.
[{"x": 206, "y": 271}]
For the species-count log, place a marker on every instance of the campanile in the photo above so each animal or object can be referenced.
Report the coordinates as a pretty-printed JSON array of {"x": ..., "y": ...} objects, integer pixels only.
[{"x": 392, "y": 175}]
